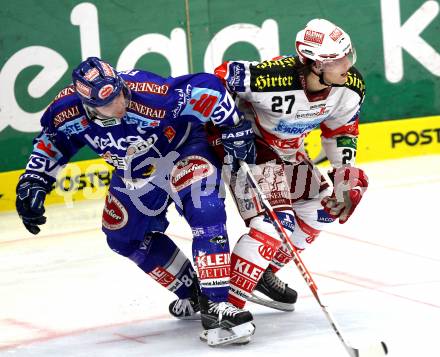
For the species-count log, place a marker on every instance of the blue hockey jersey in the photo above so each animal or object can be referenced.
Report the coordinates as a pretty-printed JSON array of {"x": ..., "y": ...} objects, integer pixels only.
[{"x": 162, "y": 114}]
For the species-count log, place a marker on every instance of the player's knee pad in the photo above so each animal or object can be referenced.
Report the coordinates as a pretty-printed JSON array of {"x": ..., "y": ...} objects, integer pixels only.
[
  {"x": 265, "y": 225},
  {"x": 304, "y": 234},
  {"x": 310, "y": 220},
  {"x": 263, "y": 240}
]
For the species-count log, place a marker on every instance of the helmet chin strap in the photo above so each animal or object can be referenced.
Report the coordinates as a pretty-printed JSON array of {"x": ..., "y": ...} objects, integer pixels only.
[
  {"x": 320, "y": 75},
  {"x": 99, "y": 120},
  {"x": 322, "y": 81}
]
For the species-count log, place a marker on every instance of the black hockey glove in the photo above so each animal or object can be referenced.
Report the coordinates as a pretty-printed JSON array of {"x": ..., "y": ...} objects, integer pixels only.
[
  {"x": 31, "y": 193},
  {"x": 239, "y": 144}
]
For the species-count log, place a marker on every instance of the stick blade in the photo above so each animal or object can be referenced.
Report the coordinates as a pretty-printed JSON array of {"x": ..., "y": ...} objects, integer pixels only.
[{"x": 379, "y": 349}]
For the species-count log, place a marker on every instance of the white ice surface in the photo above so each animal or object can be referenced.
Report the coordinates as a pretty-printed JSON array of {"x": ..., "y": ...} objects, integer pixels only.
[{"x": 65, "y": 293}]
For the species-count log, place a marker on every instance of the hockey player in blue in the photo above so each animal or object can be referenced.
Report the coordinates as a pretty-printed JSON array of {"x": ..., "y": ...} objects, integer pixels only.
[{"x": 151, "y": 130}]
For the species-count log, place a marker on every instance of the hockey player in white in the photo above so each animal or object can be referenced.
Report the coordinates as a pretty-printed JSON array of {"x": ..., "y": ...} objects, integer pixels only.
[{"x": 285, "y": 99}]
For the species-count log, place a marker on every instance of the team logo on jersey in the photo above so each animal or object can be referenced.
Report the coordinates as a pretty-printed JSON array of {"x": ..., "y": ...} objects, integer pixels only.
[
  {"x": 141, "y": 121},
  {"x": 225, "y": 111},
  {"x": 184, "y": 96},
  {"x": 314, "y": 36},
  {"x": 64, "y": 115},
  {"x": 263, "y": 80},
  {"x": 346, "y": 142},
  {"x": 324, "y": 217},
  {"x": 189, "y": 170},
  {"x": 148, "y": 87},
  {"x": 82, "y": 89},
  {"x": 150, "y": 169},
  {"x": 115, "y": 215},
  {"x": 106, "y": 91},
  {"x": 75, "y": 126},
  {"x": 202, "y": 103},
  {"x": 282, "y": 62},
  {"x": 355, "y": 82},
  {"x": 65, "y": 92},
  {"x": 296, "y": 128},
  {"x": 236, "y": 77},
  {"x": 144, "y": 110},
  {"x": 170, "y": 133},
  {"x": 320, "y": 112},
  {"x": 102, "y": 143},
  {"x": 46, "y": 148}
]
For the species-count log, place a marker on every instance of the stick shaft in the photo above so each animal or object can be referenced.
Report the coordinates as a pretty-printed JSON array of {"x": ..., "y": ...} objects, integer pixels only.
[{"x": 296, "y": 258}]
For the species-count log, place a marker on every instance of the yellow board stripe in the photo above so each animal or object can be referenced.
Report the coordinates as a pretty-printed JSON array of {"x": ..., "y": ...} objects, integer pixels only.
[
  {"x": 390, "y": 139},
  {"x": 79, "y": 180}
]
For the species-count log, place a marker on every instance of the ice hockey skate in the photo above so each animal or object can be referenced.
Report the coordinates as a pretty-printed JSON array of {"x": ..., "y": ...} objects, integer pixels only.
[
  {"x": 185, "y": 309},
  {"x": 189, "y": 308},
  {"x": 272, "y": 292},
  {"x": 224, "y": 323}
]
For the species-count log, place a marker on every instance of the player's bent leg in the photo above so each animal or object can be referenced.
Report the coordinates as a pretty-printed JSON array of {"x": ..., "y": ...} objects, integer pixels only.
[
  {"x": 223, "y": 323},
  {"x": 162, "y": 260},
  {"x": 267, "y": 289},
  {"x": 310, "y": 219},
  {"x": 138, "y": 237},
  {"x": 251, "y": 257},
  {"x": 204, "y": 210}
]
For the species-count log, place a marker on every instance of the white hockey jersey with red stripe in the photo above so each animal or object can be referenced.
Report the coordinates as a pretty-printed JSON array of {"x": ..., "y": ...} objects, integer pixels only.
[{"x": 284, "y": 112}]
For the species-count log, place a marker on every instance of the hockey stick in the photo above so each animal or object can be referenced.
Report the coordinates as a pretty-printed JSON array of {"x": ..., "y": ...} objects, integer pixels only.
[{"x": 378, "y": 349}]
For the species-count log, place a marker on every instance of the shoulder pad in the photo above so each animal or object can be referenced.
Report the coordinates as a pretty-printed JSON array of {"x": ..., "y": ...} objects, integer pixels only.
[
  {"x": 145, "y": 82},
  {"x": 65, "y": 92},
  {"x": 275, "y": 75},
  {"x": 64, "y": 109},
  {"x": 355, "y": 82},
  {"x": 278, "y": 62}
]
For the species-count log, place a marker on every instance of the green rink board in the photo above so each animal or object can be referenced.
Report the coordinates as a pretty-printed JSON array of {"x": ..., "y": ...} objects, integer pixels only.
[{"x": 109, "y": 27}]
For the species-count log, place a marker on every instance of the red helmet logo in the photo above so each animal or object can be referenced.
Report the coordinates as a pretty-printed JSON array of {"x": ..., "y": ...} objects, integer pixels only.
[{"x": 106, "y": 91}]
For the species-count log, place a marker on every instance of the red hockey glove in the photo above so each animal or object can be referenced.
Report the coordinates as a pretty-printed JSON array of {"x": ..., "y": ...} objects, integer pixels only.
[{"x": 350, "y": 183}]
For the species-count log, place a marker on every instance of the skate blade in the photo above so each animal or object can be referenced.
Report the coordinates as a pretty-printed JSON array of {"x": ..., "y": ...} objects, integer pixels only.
[
  {"x": 238, "y": 335},
  {"x": 241, "y": 341},
  {"x": 282, "y": 306}
]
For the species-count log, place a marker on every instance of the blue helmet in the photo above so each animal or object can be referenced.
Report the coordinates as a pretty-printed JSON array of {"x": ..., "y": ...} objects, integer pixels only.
[{"x": 96, "y": 82}]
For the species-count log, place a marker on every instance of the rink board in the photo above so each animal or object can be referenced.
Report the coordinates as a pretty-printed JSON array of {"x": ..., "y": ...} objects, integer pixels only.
[{"x": 89, "y": 179}]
